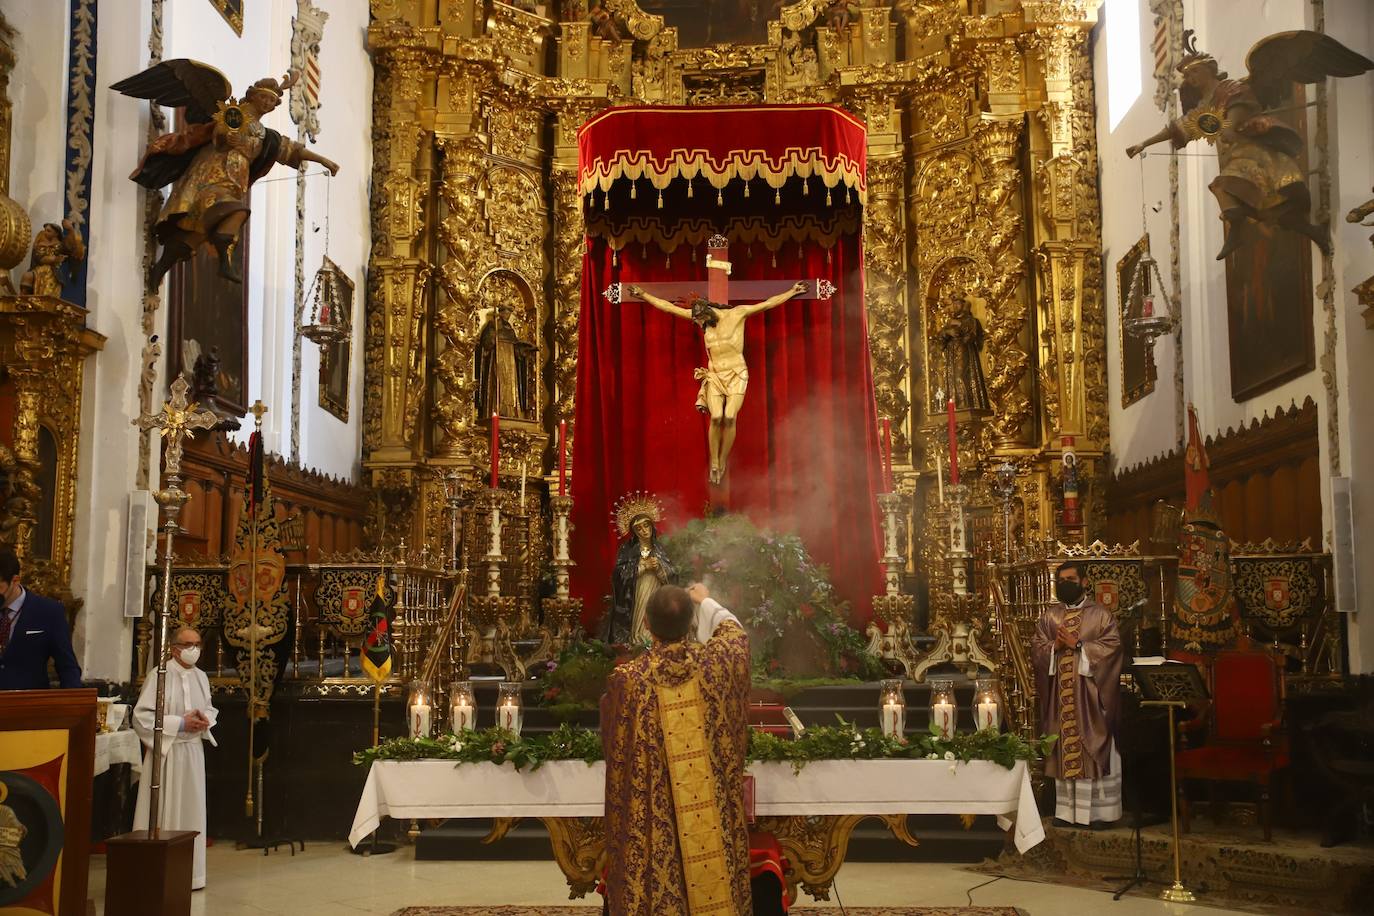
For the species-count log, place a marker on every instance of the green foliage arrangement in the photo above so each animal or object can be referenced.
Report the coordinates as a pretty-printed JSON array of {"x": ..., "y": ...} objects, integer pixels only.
[
  {"x": 575, "y": 681},
  {"x": 492, "y": 745},
  {"x": 772, "y": 585},
  {"x": 826, "y": 742}
]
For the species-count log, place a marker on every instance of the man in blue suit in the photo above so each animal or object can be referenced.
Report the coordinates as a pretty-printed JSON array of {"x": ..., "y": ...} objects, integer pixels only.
[{"x": 33, "y": 629}]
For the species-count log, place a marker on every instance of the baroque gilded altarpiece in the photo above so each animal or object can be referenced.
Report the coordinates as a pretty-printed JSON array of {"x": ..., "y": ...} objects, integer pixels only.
[{"x": 982, "y": 178}]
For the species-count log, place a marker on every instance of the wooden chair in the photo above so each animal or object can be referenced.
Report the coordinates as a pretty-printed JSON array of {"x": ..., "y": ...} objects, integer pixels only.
[{"x": 1245, "y": 741}]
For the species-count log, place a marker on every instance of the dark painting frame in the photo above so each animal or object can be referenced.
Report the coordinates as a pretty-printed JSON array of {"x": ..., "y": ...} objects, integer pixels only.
[
  {"x": 1138, "y": 370},
  {"x": 232, "y": 11},
  {"x": 1269, "y": 297},
  {"x": 213, "y": 311}
]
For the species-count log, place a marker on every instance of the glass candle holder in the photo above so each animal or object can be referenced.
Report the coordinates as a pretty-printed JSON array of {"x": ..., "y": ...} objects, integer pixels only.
[
  {"x": 462, "y": 709},
  {"x": 892, "y": 707},
  {"x": 943, "y": 712},
  {"x": 987, "y": 704},
  {"x": 508, "y": 711},
  {"x": 419, "y": 710}
]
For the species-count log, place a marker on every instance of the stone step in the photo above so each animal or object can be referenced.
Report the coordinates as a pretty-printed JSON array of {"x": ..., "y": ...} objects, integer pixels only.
[{"x": 941, "y": 838}]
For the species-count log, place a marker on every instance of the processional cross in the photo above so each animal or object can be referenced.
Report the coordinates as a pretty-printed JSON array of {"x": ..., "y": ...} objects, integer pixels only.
[
  {"x": 177, "y": 419},
  {"x": 725, "y": 377}
]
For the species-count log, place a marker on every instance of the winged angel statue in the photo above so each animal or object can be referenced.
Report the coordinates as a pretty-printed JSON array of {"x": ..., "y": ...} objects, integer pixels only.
[
  {"x": 1261, "y": 179},
  {"x": 213, "y": 160}
]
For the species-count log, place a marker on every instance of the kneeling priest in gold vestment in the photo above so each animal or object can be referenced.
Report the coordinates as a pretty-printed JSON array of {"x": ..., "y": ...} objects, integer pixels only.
[{"x": 675, "y": 730}]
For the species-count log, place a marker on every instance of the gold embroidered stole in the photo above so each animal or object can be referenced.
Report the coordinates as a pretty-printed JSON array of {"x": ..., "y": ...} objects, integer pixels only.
[
  {"x": 1070, "y": 735},
  {"x": 700, "y": 834}
]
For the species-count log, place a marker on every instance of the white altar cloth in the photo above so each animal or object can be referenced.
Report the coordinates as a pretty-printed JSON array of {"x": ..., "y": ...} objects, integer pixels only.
[
  {"x": 571, "y": 788},
  {"x": 118, "y": 747}
]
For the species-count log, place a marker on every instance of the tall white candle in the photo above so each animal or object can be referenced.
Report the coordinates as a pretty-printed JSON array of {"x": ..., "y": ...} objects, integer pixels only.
[
  {"x": 989, "y": 716},
  {"x": 508, "y": 717},
  {"x": 419, "y": 720},
  {"x": 943, "y": 714},
  {"x": 463, "y": 716},
  {"x": 894, "y": 720}
]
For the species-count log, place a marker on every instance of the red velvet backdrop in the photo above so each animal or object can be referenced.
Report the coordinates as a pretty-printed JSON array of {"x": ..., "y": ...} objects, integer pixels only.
[{"x": 806, "y": 456}]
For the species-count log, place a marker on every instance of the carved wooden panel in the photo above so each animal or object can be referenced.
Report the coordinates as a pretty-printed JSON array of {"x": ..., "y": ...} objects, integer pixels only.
[
  {"x": 1266, "y": 477},
  {"x": 333, "y": 512}
]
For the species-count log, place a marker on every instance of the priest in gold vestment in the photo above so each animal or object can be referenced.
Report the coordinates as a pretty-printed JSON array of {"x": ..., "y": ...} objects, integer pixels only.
[{"x": 675, "y": 731}]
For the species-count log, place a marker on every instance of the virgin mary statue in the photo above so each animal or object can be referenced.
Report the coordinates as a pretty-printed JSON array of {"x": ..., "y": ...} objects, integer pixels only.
[{"x": 641, "y": 568}]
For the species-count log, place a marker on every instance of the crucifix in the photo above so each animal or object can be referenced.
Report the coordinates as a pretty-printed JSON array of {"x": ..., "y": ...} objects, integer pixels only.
[
  {"x": 725, "y": 376},
  {"x": 177, "y": 419}
]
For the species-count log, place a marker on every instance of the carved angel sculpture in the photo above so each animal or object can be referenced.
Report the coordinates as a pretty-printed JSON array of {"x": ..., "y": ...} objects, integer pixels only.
[
  {"x": 54, "y": 247},
  {"x": 211, "y": 162},
  {"x": 1261, "y": 179}
]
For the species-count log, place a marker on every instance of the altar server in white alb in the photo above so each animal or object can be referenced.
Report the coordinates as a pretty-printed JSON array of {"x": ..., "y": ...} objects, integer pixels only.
[{"x": 187, "y": 719}]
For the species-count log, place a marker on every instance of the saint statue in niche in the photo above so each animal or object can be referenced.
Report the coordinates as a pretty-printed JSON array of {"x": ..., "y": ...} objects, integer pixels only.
[
  {"x": 961, "y": 339},
  {"x": 505, "y": 369}
]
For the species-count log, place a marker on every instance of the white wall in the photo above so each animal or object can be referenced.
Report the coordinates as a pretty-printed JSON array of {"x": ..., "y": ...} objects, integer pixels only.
[
  {"x": 1148, "y": 427},
  {"x": 109, "y": 446}
]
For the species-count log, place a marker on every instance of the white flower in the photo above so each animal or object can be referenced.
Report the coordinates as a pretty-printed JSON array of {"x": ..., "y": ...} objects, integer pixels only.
[
  {"x": 949, "y": 755},
  {"x": 932, "y": 756}
]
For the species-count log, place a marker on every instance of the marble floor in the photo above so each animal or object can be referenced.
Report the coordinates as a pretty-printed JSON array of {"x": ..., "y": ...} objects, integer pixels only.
[{"x": 326, "y": 879}]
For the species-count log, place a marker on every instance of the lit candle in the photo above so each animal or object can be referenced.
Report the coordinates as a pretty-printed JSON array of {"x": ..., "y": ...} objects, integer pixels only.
[
  {"x": 522, "y": 483},
  {"x": 508, "y": 717},
  {"x": 562, "y": 457},
  {"x": 953, "y": 444},
  {"x": 419, "y": 720},
  {"x": 463, "y": 716},
  {"x": 894, "y": 720},
  {"x": 887, "y": 455},
  {"x": 989, "y": 716},
  {"x": 495, "y": 451},
  {"x": 943, "y": 714}
]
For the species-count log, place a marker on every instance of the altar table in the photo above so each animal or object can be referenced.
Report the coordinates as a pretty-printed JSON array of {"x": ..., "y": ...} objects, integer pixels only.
[
  {"x": 118, "y": 747},
  {"x": 812, "y": 812}
]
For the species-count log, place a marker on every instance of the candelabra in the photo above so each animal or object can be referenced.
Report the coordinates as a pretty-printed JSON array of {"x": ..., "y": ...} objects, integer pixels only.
[
  {"x": 956, "y": 496},
  {"x": 492, "y": 644},
  {"x": 892, "y": 609},
  {"x": 1005, "y": 484},
  {"x": 562, "y": 613}
]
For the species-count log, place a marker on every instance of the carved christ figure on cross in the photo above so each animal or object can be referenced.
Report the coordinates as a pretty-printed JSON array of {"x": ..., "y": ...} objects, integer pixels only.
[{"x": 726, "y": 376}]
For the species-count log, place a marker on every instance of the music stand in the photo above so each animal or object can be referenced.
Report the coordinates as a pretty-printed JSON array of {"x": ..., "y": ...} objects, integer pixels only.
[
  {"x": 1172, "y": 685},
  {"x": 1131, "y": 757}
]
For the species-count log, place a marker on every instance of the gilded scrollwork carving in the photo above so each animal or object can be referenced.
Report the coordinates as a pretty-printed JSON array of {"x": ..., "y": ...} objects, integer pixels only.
[
  {"x": 47, "y": 343},
  {"x": 885, "y": 269},
  {"x": 461, "y": 232},
  {"x": 567, "y": 289}
]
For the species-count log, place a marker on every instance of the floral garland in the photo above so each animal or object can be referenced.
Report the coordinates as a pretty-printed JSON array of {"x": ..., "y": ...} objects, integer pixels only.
[
  {"x": 825, "y": 742},
  {"x": 776, "y": 589}
]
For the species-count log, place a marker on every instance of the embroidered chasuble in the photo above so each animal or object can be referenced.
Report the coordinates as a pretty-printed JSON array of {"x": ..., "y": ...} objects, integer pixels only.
[
  {"x": 1080, "y": 692},
  {"x": 675, "y": 730}
]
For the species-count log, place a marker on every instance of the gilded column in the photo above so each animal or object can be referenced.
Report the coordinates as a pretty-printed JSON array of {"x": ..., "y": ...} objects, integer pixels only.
[
  {"x": 884, "y": 275},
  {"x": 396, "y": 321},
  {"x": 1000, "y": 223},
  {"x": 461, "y": 235}
]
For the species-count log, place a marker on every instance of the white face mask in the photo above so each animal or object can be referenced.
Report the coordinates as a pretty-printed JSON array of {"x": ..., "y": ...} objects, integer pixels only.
[{"x": 190, "y": 656}]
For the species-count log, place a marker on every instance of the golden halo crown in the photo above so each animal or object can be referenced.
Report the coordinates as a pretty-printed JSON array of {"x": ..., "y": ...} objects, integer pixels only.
[{"x": 631, "y": 506}]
